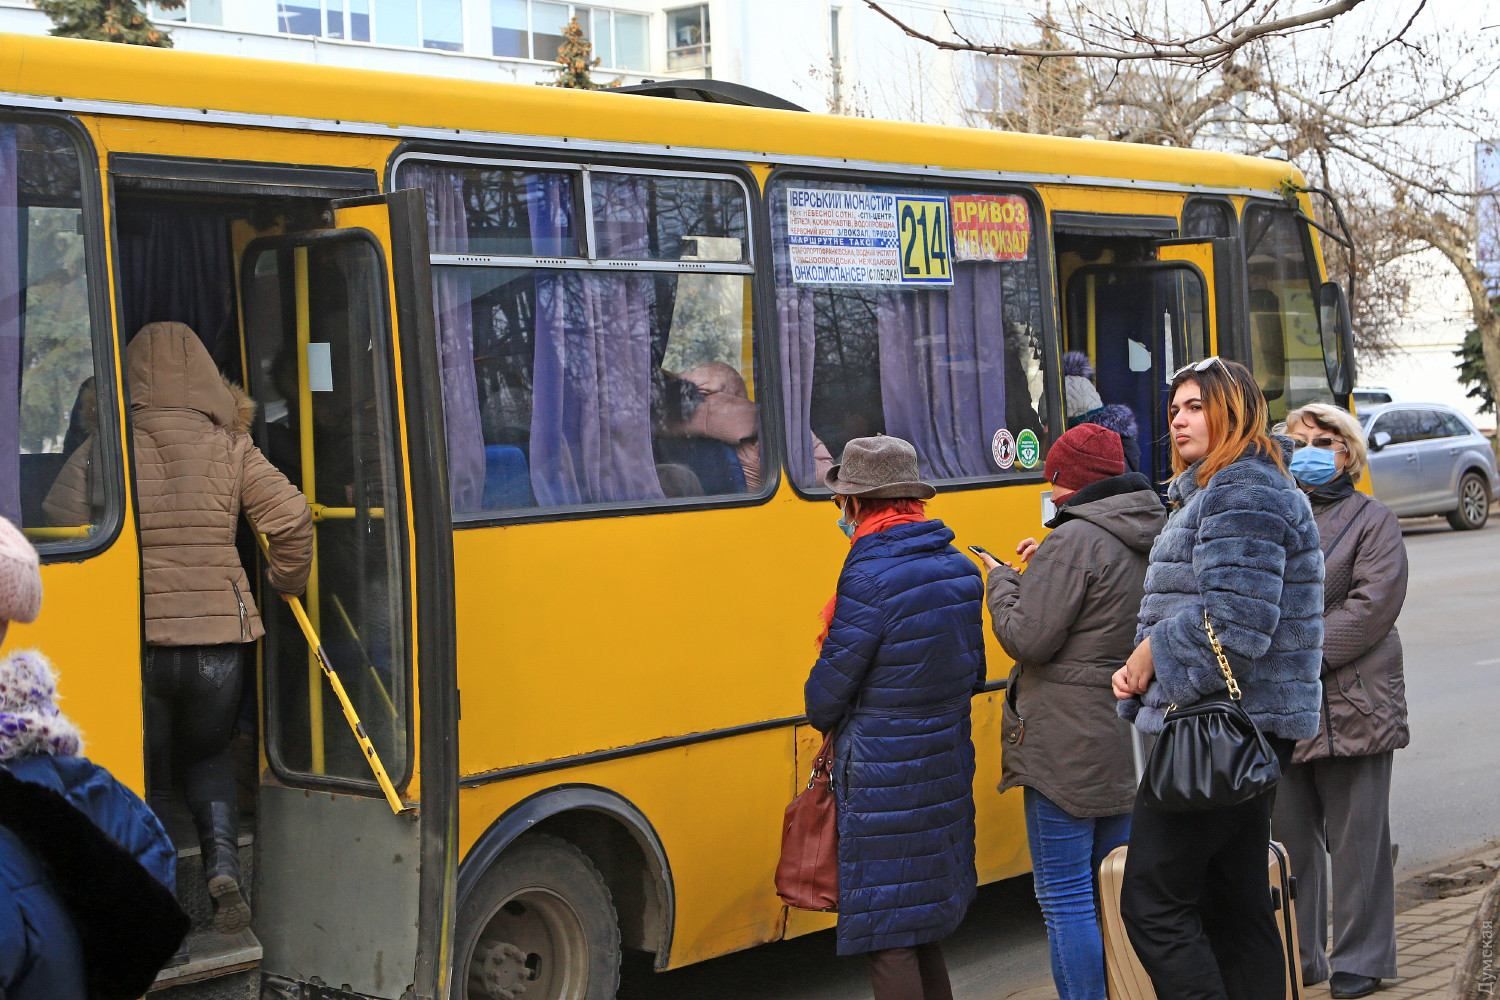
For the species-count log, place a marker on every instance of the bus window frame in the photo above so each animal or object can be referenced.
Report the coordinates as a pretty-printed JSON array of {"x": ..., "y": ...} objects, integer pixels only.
[
  {"x": 1041, "y": 241},
  {"x": 102, "y": 269},
  {"x": 1310, "y": 254},
  {"x": 1235, "y": 220},
  {"x": 273, "y": 731},
  {"x": 767, "y": 374}
]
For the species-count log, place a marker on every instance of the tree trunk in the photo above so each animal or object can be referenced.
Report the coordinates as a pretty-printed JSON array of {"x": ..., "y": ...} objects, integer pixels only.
[{"x": 1477, "y": 971}]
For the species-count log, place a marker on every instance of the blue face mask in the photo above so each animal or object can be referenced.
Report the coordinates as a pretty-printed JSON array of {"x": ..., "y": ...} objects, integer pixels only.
[
  {"x": 1314, "y": 466},
  {"x": 847, "y": 527}
]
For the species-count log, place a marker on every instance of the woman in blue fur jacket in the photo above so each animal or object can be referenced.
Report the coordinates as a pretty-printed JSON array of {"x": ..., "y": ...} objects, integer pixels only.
[{"x": 1242, "y": 545}]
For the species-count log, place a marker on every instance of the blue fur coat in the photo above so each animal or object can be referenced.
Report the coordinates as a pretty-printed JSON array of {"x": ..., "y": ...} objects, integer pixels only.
[{"x": 1246, "y": 548}]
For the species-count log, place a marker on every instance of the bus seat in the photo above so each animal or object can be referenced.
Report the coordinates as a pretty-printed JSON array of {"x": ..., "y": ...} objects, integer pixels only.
[
  {"x": 713, "y": 462},
  {"x": 507, "y": 478}
]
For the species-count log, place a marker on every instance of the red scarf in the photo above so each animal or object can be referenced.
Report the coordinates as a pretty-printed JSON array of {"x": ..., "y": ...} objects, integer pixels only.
[{"x": 899, "y": 512}]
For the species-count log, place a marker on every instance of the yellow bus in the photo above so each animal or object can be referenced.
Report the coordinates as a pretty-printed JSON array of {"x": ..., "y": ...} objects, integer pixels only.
[{"x": 558, "y": 373}]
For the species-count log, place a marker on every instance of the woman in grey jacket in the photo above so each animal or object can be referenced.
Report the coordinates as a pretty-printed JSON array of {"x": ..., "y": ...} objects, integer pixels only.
[
  {"x": 1240, "y": 545},
  {"x": 1069, "y": 621},
  {"x": 1334, "y": 801}
]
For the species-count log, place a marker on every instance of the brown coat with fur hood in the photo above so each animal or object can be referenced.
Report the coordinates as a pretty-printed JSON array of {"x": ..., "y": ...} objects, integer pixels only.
[{"x": 195, "y": 470}]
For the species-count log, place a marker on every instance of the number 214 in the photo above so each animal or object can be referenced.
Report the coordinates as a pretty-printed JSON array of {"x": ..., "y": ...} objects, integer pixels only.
[{"x": 929, "y": 222}]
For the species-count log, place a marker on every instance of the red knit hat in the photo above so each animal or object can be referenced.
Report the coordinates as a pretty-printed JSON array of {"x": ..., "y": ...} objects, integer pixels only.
[{"x": 1085, "y": 454}]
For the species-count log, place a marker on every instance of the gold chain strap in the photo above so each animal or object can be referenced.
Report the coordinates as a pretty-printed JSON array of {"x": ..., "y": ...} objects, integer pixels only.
[{"x": 1213, "y": 640}]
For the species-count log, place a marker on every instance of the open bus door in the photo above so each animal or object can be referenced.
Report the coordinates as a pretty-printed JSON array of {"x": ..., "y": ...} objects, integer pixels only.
[
  {"x": 1138, "y": 322},
  {"x": 354, "y": 884}
]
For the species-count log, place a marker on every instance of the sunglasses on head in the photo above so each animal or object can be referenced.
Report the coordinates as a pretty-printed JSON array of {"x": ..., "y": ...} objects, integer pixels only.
[{"x": 1201, "y": 366}]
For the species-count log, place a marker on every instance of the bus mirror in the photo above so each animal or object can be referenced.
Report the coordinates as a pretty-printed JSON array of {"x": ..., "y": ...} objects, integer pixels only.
[{"x": 1338, "y": 338}]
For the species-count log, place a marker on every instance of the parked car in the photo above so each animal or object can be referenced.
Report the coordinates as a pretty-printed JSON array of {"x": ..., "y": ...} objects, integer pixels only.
[{"x": 1426, "y": 458}]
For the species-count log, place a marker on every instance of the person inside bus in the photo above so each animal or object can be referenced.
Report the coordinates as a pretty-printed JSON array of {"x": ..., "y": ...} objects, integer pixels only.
[
  {"x": 1069, "y": 622},
  {"x": 901, "y": 655},
  {"x": 1333, "y": 804},
  {"x": 1084, "y": 406},
  {"x": 196, "y": 470},
  {"x": 86, "y": 869},
  {"x": 1241, "y": 549}
]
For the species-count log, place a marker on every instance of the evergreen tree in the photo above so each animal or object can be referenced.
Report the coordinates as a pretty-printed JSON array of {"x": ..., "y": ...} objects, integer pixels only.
[
  {"x": 576, "y": 61},
  {"x": 1473, "y": 372},
  {"x": 107, "y": 20}
]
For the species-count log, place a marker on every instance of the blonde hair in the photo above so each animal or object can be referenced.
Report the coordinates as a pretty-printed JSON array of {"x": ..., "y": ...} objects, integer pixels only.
[
  {"x": 1335, "y": 420},
  {"x": 1237, "y": 416}
]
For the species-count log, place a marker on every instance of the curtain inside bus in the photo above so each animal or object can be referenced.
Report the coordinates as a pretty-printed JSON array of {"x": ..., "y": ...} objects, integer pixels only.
[{"x": 10, "y": 329}]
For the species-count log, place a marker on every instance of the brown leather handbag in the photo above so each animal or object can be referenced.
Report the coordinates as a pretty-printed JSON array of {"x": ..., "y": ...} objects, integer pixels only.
[{"x": 807, "y": 876}]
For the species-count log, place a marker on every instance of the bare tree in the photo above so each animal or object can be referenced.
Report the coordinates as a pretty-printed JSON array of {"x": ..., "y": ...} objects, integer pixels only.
[{"x": 1381, "y": 115}]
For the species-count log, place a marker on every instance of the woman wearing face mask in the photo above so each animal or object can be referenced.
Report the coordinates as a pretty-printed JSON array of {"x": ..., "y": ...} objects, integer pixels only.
[
  {"x": 1240, "y": 546},
  {"x": 902, "y": 653},
  {"x": 1334, "y": 801}
]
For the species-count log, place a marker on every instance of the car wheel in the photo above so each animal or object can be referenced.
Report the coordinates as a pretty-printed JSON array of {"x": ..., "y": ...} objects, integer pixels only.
[
  {"x": 1473, "y": 503},
  {"x": 540, "y": 924}
]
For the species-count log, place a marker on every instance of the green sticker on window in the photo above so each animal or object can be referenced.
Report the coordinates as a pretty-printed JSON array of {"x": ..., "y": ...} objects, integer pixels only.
[{"x": 1028, "y": 449}]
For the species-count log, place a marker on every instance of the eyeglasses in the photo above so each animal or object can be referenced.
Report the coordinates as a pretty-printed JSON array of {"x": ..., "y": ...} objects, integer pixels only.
[
  {"x": 1322, "y": 442},
  {"x": 1201, "y": 366}
]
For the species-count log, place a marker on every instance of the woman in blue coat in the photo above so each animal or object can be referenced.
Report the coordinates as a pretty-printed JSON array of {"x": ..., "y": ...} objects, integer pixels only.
[
  {"x": 902, "y": 656},
  {"x": 1241, "y": 546}
]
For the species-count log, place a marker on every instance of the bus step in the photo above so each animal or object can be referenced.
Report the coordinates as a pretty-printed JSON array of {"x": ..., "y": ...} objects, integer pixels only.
[
  {"x": 219, "y": 967},
  {"x": 192, "y": 890}
]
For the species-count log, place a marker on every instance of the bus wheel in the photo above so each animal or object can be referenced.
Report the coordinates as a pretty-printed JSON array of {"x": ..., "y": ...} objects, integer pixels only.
[{"x": 540, "y": 924}]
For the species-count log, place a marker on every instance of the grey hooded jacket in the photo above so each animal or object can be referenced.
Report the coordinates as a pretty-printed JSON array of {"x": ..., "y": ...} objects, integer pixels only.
[{"x": 1069, "y": 623}]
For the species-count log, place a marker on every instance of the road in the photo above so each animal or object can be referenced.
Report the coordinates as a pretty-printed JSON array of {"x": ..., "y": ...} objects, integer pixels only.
[{"x": 1445, "y": 799}]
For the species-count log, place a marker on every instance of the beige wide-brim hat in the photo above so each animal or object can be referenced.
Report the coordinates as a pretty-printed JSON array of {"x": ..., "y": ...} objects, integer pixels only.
[{"x": 879, "y": 468}]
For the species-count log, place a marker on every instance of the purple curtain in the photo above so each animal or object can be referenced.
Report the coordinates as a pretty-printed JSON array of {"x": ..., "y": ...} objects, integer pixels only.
[
  {"x": 10, "y": 329},
  {"x": 795, "y": 321},
  {"x": 591, "y": 408},
  {"x": 942, "y": 371},
  {"x": 447, "y": 227}
]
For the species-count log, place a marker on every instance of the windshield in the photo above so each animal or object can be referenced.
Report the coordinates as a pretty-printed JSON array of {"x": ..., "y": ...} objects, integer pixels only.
[{"x": 1286, "y": 347}]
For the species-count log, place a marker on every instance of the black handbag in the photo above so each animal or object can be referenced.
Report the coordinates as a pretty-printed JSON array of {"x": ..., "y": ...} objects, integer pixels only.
[{"x": 1210, "y": 754}]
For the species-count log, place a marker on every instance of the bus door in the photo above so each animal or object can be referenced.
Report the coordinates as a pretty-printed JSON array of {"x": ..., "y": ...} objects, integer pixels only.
[
  {"x": 1138, "y": 322},
  {"x": 354, "y": 883}
]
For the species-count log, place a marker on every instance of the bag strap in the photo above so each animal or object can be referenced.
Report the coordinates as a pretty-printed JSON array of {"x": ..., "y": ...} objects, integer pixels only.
[
  {"x": 1213, "y": 640},
  {"x": 823, "y": 762}
]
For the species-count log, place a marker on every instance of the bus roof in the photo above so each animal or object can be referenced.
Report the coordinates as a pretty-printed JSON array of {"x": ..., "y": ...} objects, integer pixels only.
[{"x": 293, "y": 93}]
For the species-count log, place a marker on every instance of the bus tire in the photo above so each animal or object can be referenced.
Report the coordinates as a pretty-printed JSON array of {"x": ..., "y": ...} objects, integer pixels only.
[{"x": 539, "y": 925}]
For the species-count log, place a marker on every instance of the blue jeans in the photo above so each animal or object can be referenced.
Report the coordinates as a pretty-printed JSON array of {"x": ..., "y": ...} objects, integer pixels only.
[{"x": 1065, "y": 856}]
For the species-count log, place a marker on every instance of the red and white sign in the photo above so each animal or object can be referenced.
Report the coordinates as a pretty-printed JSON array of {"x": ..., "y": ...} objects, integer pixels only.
[{"x": 990, "y": 227}]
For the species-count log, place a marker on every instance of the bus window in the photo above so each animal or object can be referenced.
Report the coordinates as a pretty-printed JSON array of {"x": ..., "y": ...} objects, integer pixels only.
[
  {"x": 1286, "y": 348},
  {"x": 1213, "y": 217},
  {"x": 56, "y": 453},
  {"x": 595, "y": 334},
  {"x": 938, "y": 340}
]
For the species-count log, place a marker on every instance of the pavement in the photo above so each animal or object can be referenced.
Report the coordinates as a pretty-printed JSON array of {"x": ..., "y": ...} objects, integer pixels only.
[{"x": 1431, "y": 932}]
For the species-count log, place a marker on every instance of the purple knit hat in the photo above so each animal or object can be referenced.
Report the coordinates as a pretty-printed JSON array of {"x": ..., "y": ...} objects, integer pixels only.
[{"x": 30, "y": 722}]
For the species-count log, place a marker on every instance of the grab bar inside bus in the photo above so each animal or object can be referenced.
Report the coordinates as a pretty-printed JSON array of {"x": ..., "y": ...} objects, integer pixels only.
[{"x": 351, "y": 715}]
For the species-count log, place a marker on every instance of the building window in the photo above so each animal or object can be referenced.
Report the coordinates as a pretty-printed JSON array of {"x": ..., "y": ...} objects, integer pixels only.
[
  {"x": 192, "y": 12},
  {"x": 687, "y": 39},
  {"x": 427, "y": 24},
  {"x": 533, "y": 29}
]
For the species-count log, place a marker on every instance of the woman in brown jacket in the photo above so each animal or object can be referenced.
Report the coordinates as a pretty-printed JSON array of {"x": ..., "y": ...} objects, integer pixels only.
[
  {"x": 1069, "y": 622},
  {"x": 195, "y": 471},
  {"x": 1334, "y": 801}
]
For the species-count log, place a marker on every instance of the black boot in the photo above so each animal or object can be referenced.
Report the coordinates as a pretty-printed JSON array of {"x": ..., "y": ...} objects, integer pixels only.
[{"x": 218, "y": 835}]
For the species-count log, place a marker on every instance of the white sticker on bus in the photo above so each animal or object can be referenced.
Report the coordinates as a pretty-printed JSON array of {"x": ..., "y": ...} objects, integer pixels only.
[
  {"x": 867, "y": 238},
  {"x": 320, "y": 367},
  {"x": 1003, "y": 447}
]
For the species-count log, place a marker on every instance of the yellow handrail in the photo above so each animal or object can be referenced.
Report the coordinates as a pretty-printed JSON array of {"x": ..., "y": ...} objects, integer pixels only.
[
  {"x": 54, "y": 533},
  {"x": 323, "y": 512},
  {"x": 351, "y": 716}
]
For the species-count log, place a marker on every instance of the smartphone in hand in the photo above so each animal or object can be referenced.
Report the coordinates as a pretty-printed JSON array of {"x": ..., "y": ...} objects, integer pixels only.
[{"x": 979, "y": 550}]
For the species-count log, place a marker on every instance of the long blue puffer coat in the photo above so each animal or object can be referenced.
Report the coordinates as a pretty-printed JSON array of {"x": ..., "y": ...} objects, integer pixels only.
[
  {"x": 41, "y": 956},
  {"x": 1246, "y": 548},
  {"x": 903, "y": 657}
]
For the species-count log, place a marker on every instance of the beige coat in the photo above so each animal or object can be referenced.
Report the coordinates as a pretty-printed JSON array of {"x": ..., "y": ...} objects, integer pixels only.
[{"x": 195, "y": 470}]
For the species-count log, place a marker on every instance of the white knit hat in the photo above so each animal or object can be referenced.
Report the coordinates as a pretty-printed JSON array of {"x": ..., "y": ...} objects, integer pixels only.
[
  {"x": 20, "y": 577},
  {"x": 1080, "y": 395},
  {"x": 30, "y": 722}
]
